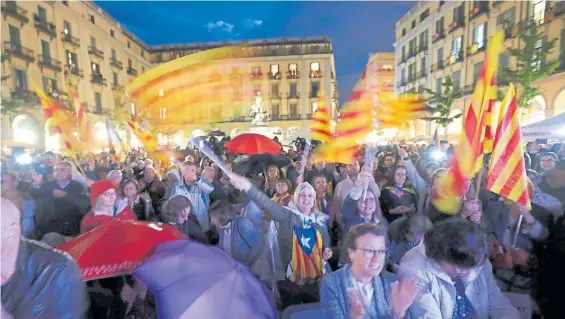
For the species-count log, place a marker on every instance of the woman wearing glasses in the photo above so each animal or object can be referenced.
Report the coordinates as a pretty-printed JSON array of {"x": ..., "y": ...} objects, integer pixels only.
[
  {"x": 454, "y": 277},
  {"x": 361, "y": 290}
]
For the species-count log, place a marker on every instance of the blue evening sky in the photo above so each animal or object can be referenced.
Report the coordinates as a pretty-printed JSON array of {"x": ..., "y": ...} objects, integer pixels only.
[{"x": 356, "y": 28}]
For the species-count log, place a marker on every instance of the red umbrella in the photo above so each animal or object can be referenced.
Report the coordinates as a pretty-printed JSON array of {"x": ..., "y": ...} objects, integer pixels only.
[
  {"x": 118, "y": 247},
  {"x": 250, "y": 143}
]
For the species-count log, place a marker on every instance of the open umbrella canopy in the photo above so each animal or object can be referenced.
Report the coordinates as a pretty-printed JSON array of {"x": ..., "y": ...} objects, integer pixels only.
[
  {"x": 118, "y": 247},
  {"x": 193, "y": 280},
  {"x": 250, "y": 143},
  {"x": 256, "y": 164}
]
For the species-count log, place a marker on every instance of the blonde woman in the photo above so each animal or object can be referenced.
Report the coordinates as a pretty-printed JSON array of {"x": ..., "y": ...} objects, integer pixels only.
[{"x": 303, "y": 238}]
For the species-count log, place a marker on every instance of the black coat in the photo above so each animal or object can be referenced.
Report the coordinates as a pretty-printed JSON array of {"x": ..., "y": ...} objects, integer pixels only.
[{"x": 46, "y": 284}]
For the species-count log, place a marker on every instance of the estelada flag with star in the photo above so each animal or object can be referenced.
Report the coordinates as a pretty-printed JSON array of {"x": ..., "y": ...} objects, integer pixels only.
[{"x": 307, "y": 256}]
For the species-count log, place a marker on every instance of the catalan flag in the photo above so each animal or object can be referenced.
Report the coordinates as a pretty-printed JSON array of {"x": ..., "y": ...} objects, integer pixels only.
[
  {"x": 469, "y": 151},
  {"x": 393, "y": 110},
  {"x": 144, "y": 135},
  {"x": 61, "y": 121},
  {"x": 321, "y": 130},
  {"x": 203, "y": 87},
  {"x": 84, "y": 133},
  {"x": 307, "y": 264},
  {"x": 507, "y": 169}
]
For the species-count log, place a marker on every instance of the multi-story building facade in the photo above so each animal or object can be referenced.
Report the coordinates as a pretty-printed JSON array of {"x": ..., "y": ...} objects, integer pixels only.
[
  {"x": 65, "y": 46},
  {"x": 441, "y": 38}
]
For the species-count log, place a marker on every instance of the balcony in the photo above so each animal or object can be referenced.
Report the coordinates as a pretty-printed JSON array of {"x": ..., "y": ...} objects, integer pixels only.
[
  {"x": 438, "y": 36},
  {"x": 73, "y": 71},
  {"x": 468, "y": 89},
  {"x": 479, "y": 8},
  {"x": 131, "y": 71},
  {"x": 117, "y": 64},
  {"x": 558, "y": 9},
  {"x": 474, "y": 49},
  {"x": 412, "y": 53},
  {"x": 95, "y": 52},
  {"x": 275, "y": 96},
  {"x": 275, "y": 76},
  {"x": 456, "y": 24},
  {"x": 68, "y": 38},
  {"x": 497, "y": 3},
  {"x": 22, "y": 94},
  {"x": 315, "y": 74},
  {"x": 422, "y": 48},
  {"x": 457, "y": 57},
  {"x": 97, "y": 79},
  {"x": 510, "y": 32},
  {"x": 294, "y": 95},
  {"x": 44, "y": 26},
  {"x": 256, "y": 75},
  {"x": 292, "y": 75},
  {"x": 19, "y": 51},
  {"x": 50, "y": 63},
  {"x": 10, "y": 8},
  {"x": 117, "y": 87}
]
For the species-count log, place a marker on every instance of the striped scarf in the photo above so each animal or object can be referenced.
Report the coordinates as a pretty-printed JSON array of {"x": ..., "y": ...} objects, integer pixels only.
[{"x": 307, "y": 263}]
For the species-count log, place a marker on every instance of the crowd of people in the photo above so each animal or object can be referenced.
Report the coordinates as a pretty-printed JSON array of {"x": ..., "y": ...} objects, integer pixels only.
[{"x": 362, "y": 240}]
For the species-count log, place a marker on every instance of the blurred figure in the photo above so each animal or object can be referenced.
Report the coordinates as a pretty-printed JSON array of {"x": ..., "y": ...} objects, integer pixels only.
[{"x": 33, "y": 274}]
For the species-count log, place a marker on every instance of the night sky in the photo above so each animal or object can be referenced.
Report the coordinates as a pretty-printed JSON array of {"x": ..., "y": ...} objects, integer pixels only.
[{"x": 356, "y": 28}]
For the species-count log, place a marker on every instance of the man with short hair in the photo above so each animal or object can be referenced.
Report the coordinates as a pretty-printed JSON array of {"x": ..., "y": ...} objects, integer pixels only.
[{"x": 37, "y": 281}]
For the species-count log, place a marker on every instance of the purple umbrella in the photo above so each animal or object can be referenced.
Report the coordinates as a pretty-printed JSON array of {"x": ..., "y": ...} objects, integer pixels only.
[{"x": 193, "y": 280}]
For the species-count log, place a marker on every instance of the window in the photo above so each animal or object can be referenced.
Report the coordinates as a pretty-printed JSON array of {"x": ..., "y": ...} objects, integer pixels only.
[
  {"x": 537, "y": 62},
  {"x": 115, "y": 78},
  {"x": 95, "y": 68},
  {"x": 97, "y": 102},
  {"x": 440, "y": 57},
  {"x": 413, "y": 24},
  {"x": 163, "y": 113},
  {"x": 315, "y": 69},
  {"x": 292, "y": 70},
  {"x": 293, "y": 90},
  {"x": 403, "y": 75},
  {"x": 275, "y": 111},
  {"x": 477, "y": 71},
  {"x": 113, "y": 55},
  {"x": 293, "y": 110},
  {"x": 49, "y": 85},
  {"x": 456, "y": 47},
  {"x": 411, "y": 71},
  {"x": 314, "y": 88},
  {"x": 439, "y": 84},
  {"x": 142, "y": 70},
  {"x": 314, "y": 107},
  {"x": 423, "y": 39},
  {"x": 112, "y": 34},
  {"x": 503, "y": 64},
  {"x": 15, "y": 39},
  {"x": 67, "y": 28},
  {"x": 539, "y": 10},
  {"x": 130, "y": 64},
  {"x": 423, "y": 66},
  {"x": 92, "y": 18},
  {"x": 439, "y": 25},
  {"x": 479, "y": 35},
  {"x": 42, "y": 13},
  {"x": 403, "y": 52},
  {"x": 459, "y": 14},
  {"x": 412, "y": 47},
  {"x": 143, "y": 54},
  {"x": 159, "y": 56},
  {"x": 507, "y": 18},
  {"x": 72, "y": 60},
  {"x": 45, "y": 51},
  {"x": 20, "y": 80},
  {"x": 424, "y": 15},
  {"x": 275, "y": 90},
  {"x": 93, "y": 42},
  {"x": 274, "y": 69},
  {"x": 456, "y": 81},
  {"x": 387, "y": 67},
  {"x": 129, "y": 46},
  {"x": 256, "y": 70}
]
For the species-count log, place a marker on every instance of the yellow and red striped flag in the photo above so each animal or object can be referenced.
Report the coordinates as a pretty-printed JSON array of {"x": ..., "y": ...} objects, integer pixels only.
[
  {"x": 146, "y": 138},
  {"x": 469, "y": 152},
  {"x": 507, "y": 169},
  {"x": 61, "y": 120},
  {"x": 82, "y": 118},
  {"x": 321, "y": 129}
]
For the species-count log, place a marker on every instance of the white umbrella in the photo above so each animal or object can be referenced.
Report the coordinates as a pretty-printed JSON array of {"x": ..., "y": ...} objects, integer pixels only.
[{"x": 552, "y": 128}]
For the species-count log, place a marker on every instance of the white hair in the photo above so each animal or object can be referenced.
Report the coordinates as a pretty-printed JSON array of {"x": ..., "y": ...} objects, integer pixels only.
[{"x": 303, "y": 187}]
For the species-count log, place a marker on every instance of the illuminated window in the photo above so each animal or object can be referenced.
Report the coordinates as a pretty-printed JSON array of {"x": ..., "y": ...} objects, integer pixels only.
[
  {"x": 163, "y": 113},
  {"x": 314, "y": 66},
  {"x": 314, "y": 107},
  {"x": 387, "y": 67},
  {"x": 274, "y": 69}
]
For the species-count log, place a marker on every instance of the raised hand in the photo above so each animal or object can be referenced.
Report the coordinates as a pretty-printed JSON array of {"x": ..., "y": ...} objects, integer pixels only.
[
  {"x": 402, "y": 296},
  {"x": 239, "y": 182},
  {"x": 356, "y": 307}
]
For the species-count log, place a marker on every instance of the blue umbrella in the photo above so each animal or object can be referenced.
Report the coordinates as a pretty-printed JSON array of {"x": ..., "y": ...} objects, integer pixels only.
[{"x": 193, "y": 280}]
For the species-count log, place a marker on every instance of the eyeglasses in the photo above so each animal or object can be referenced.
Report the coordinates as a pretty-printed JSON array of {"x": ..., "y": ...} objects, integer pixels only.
[
  {"x": 108, "y": 194},
  {"x": 370, "y": 200},
  {"x": 370, "y": 253}
]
